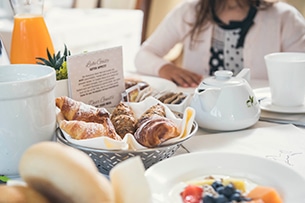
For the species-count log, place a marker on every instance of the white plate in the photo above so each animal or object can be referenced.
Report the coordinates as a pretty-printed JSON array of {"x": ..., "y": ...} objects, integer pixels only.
[
  {"x": 156, "y": 83},
  {"x": 165, "y": 176},
  {"x": 264, "y": 96}
]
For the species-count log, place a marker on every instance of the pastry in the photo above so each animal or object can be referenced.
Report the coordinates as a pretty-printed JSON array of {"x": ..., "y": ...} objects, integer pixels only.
[
  {"x": 75, "y": 110},
  {"x": 19, "y": 194},
  {"x": 172, "y": 98},
  {"x": 157, "y": 109},
  {"x": 166, "y": 96},
  {"x": 155, "y": 130},
  {"x": 134, "y": 89},
  {"x": 133, "y": 82},
  {"x": 179, "y": 99},
  {"x": 130, "y": 83},
  {"x": 123, "y": 119},
  {"x": 64, "y": 174},
  {"x": 83, "y": 130}
]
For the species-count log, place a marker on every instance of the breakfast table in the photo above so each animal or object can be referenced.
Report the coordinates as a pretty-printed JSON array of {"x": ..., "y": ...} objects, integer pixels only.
[
  {"x": 282, "y": 142},
  {"x": 276, "y": 136}
]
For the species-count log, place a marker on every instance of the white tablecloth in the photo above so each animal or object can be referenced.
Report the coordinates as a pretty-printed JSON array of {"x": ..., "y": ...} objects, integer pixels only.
[{"x": 284, "y": 143}]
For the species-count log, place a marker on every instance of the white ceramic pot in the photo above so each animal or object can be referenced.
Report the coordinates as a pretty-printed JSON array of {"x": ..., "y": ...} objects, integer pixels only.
[
  {"x": 27, "y": 106},
  {"x": 61, "y": 88},
  {"x": 225, "y": 103}
]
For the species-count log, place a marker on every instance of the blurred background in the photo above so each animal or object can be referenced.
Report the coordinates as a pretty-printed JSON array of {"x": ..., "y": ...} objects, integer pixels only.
[
  {"x": 134, "y": 26},
  {"x": 154, "y": 10}
]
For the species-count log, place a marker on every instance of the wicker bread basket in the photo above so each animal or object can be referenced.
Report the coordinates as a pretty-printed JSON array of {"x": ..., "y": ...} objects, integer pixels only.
[{"x": 105, "y": 160}]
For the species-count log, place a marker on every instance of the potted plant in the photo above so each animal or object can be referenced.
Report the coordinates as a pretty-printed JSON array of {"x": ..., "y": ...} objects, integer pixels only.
[{"x": 58, "y": 61}]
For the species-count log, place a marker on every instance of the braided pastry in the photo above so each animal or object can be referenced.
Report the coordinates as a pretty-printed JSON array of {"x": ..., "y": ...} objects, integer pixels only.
[
  {"x": 157, "y": 109},
  {"x": 155, "y": 130}
]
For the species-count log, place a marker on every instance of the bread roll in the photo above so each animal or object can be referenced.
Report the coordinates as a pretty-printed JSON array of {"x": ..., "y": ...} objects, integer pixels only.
[
  {"x": 123, "y": 119},
  {"x": 20, "y": 194},
  {"x": 64, "y": 174}
]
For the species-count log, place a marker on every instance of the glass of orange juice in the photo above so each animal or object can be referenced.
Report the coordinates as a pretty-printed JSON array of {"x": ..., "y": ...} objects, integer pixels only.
[{"x": 30, "y": 37}]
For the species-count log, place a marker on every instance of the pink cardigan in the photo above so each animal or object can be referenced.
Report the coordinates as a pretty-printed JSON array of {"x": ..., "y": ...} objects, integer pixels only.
[{"x": 277, "y": 29}]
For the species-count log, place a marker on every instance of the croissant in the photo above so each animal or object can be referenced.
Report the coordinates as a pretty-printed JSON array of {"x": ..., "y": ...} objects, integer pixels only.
[
  {"x": 155, "y": 130},
  {"x": 84, "y": 130},
  {"x": 123, "y": 119},
  {"x": 75, "y": 110},
  {"x": 157, "y": 109}
]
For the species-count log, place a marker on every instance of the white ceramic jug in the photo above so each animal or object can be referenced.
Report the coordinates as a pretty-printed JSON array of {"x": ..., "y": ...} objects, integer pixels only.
[
  {"x": 27, "y": 111},
  {"x": 225, "y": 103}
]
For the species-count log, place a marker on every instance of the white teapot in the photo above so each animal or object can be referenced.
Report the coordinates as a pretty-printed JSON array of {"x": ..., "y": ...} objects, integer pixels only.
[{"x": 225, "y": 103}]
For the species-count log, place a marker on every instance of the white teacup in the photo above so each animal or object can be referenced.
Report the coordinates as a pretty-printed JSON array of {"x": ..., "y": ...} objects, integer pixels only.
[
  {"x": 286, "y": 73},
  {"x": 28, "y": 115}
]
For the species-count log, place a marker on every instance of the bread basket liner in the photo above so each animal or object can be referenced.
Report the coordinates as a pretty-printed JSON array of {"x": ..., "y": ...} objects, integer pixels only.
[{"x": 129, "y": 142}]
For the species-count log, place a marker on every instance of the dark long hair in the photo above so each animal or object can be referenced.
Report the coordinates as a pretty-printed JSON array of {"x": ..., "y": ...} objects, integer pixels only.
[{"x": 205, "y": 8}]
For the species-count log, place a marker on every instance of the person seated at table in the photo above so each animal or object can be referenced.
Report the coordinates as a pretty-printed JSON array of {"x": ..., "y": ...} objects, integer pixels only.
[{"x": 221, "y": 34}]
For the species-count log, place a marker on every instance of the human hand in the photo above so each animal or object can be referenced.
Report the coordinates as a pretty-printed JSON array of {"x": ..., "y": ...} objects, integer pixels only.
[{"x": 180, "y": 76}]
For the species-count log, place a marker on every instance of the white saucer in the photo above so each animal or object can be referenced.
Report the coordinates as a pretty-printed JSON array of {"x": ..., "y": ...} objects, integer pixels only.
[
  {"x": 262, "y": 93},
  {"x": 264, "y": 96},
  {"x": 267, "y": 105}
]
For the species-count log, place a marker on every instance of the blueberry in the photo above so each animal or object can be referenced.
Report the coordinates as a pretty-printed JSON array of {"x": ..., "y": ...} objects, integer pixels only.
[
  {"x": 222, "y": 199},
  {"x": 220, "y": 189},
  {"x": 228, "y": 190},
  {"x": 208, "y": 199},
  {"x": 216, "y": 184},
  {"x": 236, "y": 196}
]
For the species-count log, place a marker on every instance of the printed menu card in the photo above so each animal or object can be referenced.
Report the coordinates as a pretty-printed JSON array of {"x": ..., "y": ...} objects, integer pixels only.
[{"x": 97, "y": 78}]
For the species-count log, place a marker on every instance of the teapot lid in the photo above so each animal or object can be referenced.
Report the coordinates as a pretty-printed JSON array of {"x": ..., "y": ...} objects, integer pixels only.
[{"x": 222, "y": 78}]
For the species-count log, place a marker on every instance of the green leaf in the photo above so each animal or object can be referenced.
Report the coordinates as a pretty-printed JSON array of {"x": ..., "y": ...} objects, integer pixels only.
[
  {"x": 56, "y": 61},
  {"x": 3, "y": 178}
]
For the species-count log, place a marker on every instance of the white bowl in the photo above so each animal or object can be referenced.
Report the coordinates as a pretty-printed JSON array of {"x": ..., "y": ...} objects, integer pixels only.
[
  {"x": 181, "y": 106},
  {"x": 27, "y": 106}
]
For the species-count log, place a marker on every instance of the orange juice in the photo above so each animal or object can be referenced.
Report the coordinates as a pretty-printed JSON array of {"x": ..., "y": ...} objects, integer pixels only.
[{"x": 30, "y": 39}]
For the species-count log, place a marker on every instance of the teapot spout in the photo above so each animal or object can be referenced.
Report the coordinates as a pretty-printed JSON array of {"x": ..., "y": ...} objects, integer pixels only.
[
  {"x": 245, "y": 74},
  {"x": 205, "y": 99}
]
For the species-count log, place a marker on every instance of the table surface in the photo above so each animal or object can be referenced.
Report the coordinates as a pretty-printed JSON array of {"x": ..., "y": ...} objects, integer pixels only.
[{"x": 280, "y": 142}]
